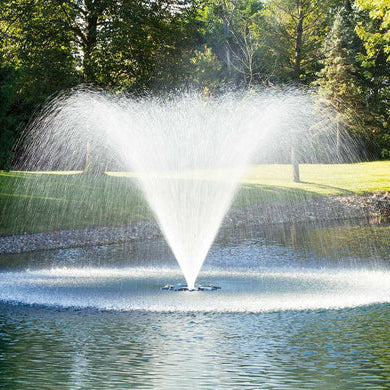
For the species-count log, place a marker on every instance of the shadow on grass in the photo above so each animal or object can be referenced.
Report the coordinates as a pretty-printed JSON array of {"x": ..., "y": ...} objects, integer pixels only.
[
  {"x": 339, "y": 190},
  {"x": 46, "y": 202},
  {"x": 42, "y": 202},
  {"x": 250, "y": 194}
]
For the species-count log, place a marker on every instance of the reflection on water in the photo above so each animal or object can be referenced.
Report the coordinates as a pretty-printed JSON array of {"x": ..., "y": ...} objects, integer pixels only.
[
  {"x": 346, "y": 349},
  {"x": 56, "y": 347}
]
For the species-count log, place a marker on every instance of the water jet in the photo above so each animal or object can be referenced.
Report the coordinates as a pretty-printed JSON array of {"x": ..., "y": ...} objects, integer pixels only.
[{"x": 186, "y": 152}]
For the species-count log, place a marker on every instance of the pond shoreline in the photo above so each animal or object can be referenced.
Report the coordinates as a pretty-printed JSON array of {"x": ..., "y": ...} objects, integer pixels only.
[{"x": 370, "y": 206}]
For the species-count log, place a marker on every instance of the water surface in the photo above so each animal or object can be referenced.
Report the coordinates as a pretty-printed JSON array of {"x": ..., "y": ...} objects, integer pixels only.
[{"x": 300, "y": 307}]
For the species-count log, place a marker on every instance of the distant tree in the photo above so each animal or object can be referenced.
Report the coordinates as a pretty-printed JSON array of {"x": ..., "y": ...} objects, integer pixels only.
[
  {"x": 216, "y": 18},
  {"x": 128, "y": 44},
  {"x": 373, "y": 29},
  {"x": 8, "y": 118},
  {"x": 295, "y": 30},
  {"x": 231, "y": 30},
  {"x": 375, "y": 35},
  {"x": 247, "y": 45},
  {"x": 131, "y": 45},
  {"x": 35, "y": 63},
  {"x": 36, "y": 47},
  {"x": 338, "y": 81},
  {"x": 206, "y": 71},
  {"x": 38, "y": 55}
]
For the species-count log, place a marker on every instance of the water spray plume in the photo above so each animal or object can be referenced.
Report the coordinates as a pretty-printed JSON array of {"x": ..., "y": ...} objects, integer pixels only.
[{"x": 188, "y": 152}]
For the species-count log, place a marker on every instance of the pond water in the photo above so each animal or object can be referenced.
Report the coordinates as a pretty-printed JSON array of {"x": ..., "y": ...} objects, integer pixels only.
[{"x": 300, "y": 307}]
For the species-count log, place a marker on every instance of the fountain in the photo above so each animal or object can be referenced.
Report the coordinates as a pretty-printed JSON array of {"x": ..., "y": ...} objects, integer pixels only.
[
  {"x": 187, "y": 152},
  {"x": 301, "y": 306}
]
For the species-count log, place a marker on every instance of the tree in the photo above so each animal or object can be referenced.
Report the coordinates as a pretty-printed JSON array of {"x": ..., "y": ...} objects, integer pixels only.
[
  {"x": 375, "y": 35},
  {"x": 127, "y": 45},
  {"x": 216, "y": 19},
  {"x": 247, "y": 45},
  {"x": 37, "y": 49},
  {"x": 231, "y": 30},
  {"x": 206, "y": 71},
  {"x": 295, "y": 30},
  {"x": 337, "y": 81},
  {"x": 35, "y": 62},
  {"x": 373, "y": 29},
  {"x": 8, "y": 119}
]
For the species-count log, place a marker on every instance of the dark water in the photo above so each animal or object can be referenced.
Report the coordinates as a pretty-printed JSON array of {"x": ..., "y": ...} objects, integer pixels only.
[{"x": 300, "y": 308}]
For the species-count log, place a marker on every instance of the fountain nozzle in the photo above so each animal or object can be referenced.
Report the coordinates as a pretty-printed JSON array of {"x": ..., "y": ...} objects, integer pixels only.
[{"x": 184, "y": 287}]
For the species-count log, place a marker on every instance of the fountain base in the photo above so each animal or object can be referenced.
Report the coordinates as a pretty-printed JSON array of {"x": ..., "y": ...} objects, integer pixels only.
[{"x": 184, "y": 287}]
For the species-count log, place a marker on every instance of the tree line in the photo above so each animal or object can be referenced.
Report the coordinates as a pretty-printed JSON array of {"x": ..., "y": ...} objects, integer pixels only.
[{"x": 340, "y": 49}]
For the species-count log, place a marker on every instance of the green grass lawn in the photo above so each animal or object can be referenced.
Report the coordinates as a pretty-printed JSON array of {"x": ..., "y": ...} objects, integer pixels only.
[
  {"x": 33, "y": 202},
  {"x": 274, "y": 182}
]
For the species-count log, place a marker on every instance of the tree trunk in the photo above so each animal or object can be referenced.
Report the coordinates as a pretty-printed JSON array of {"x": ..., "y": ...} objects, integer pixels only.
[
  {"x": 338, "y": 140},
  {"x": 86, "y": 28},
  {"x": 90, "y": 42},
  {"x": 93, "y": 165},
  {"x": 227, "y": 48},
  {"x": 297, "y": 71},
  {"x": 227, "y": 19},
  {"x": 295, "y": 165},
  {"x": 298, "y": 43}
]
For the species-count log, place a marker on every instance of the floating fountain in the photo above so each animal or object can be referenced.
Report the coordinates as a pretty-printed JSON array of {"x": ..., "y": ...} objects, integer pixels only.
[
  {"x": 308, "y": 305},
  {"x": 188, "y": 152}
]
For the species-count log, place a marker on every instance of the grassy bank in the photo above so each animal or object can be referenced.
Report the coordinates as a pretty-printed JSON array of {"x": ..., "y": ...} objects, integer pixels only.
[
  {"x": 32, "y": 202},
  {"x": 270, "y": 182}
]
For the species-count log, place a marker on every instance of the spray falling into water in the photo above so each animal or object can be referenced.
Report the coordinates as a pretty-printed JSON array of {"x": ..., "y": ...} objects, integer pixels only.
[{"x": 188, "y": 152}]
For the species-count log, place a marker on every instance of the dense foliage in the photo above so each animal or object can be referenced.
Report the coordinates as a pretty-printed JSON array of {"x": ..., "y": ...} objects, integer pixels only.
[{"x": 341, "y": 49}]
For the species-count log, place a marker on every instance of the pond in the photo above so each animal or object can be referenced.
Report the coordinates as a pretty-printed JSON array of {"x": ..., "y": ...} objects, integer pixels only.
[{"x": 300, "y": 307}]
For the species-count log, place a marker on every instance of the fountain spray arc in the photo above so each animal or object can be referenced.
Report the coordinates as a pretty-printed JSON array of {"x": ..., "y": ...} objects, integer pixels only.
[{"x": 187, "y": 152}]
